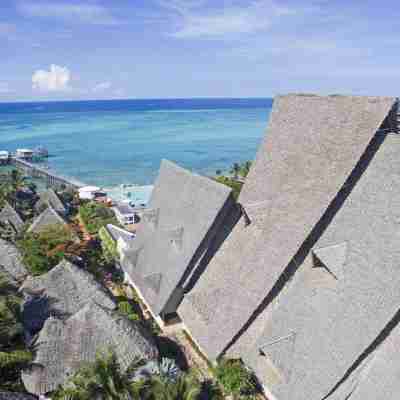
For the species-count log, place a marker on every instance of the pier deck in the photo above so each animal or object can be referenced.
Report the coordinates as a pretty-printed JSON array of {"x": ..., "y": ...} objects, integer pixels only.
[{"x": 52, "y": 178}]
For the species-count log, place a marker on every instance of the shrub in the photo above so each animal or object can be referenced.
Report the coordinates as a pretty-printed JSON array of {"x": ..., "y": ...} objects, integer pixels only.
[
  {"x": 126, "y": 309},
  {"x": 236, "y": 379},
  {"x": 108, "y": 245},
  {"x": 44, "y": 250},
  {"x": 94, "y": 216},
  {"x": 14, "y": 356}
]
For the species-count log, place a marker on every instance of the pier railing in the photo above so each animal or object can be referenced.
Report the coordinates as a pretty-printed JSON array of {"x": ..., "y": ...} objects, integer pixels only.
[{"x": 52, "y": 178}]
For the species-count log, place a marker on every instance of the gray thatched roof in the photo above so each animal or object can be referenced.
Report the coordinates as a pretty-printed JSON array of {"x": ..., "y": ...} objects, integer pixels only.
[
  {"x": 312, "y": 145},
  {"x": 50, "y": 198},
  {"x": 47, "y": 218},
  {"x": 15, "y": 396},
  {"x": 9, "y": 215},
  {"x": 65, "y": 290},
  {"x": 378, "y": 376},
  {"x": 326, "y": 333},
  {"x": 63, "y": 346},
  {"x": 184, "y": 213},
  {"x": 11, "y": 260}
]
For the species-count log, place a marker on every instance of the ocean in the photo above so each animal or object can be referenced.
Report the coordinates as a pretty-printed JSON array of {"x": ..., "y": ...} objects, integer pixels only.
[{"x": 113, "y": 142}]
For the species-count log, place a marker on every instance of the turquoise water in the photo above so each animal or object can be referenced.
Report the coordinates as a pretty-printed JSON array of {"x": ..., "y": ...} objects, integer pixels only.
[{"x": 107, "y": 143}]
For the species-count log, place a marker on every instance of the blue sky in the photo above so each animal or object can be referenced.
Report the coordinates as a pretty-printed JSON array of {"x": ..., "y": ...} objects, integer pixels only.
[{"x": 86, "y": 49}]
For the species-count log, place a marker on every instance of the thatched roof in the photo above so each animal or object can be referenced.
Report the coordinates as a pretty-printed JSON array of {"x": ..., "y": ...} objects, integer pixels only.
[
  {"x": 63, "y": 346},
  {"x": 47, "y": 218},
  {"x": 50, "y": 198},
  {"x": 64, "y": 290},
  {"x": 327, "y": 331},
  {"x": 312, "y": 146},
  {"x": 377, "y": 377},
  {"x": 11, "y": 260},
  {"x": 184, "y": 213},
  {"x": 15, "y": 396},
  {"x": 9, "y": 215}
]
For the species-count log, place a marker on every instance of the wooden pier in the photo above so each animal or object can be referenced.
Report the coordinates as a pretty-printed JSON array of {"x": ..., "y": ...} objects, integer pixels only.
[{"x": 51, "y": 178}]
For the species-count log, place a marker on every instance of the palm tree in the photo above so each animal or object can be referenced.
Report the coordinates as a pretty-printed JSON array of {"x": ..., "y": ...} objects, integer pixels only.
[
  {"x": 16, "y": 179},
  {"x": 235, "y": 170},
  {"x": 13, "y": 354},
  {"x": 245, "y": 168},
  {"x": 11, "y": 328},
  {"x": 10, "y": 186},
  {"x": 101, "y": 380},
  {"x": 185, "y": 387},
  {"x": 210, "y": 390}
]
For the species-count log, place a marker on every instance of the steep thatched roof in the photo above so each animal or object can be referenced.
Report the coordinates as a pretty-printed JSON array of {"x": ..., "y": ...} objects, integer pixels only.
[
  {"x": 9, "y": 215},
  {"x": 15, "y": 396},
  {"x": 64, "y": 290},
  {"x": 312, "y": 145},
  {"x": 377, "y": 377},
  {"x": 50, "y": 198},
  {"x": 184, "y": 212},
  {"x": 63, "y": 346},
  {"x": 327, "y": 331},
  {"x": 11, "y": 260},
  {"x": 47, "y": 218}
]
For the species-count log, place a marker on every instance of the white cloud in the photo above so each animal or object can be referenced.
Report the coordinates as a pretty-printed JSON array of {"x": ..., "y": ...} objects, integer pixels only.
[
  {"x": 85, "y": 13},
  {"x": 102, "y": 87},
  {"x": 56, "y": 79},
  {"x": 195, "y": 21}
]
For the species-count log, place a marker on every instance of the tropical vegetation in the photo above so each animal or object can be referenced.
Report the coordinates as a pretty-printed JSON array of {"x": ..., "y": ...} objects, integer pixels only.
[
  {"x": 44, "y": 250},
  {"x": 235, "y": 180},
  {"x": 95, "y": 215},
  {"x": 19, "y": 192},
  {"x": 236, "y": 380},
  {"x": 235, "y": 185},
  {"x": 108, "y": 245},
  {"x": 104, "y": 380},
  {"x": 240, "y": 170},
  {"x": 126, "y": 308},
  {"x": 14, "y": 355}
]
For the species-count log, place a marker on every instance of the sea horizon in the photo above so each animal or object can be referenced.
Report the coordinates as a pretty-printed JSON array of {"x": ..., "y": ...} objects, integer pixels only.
[
  {"x": 138, "y": 98},
  {"x": 112, "y": 142}
]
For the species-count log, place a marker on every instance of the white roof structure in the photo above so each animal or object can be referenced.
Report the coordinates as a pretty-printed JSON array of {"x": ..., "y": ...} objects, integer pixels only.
[{"x": 89, "y": 189}]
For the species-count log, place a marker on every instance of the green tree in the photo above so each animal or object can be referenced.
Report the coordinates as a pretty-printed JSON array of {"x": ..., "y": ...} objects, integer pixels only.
[
  {"x": 44, "y": 250},
  {"x": 14, "y": 356},
  {"x": 235, "y": 185},
  {"x": 235, "y": 170},
  {"x": 95, "y": 215},
  {"x": 102, "y": 380},
  {"x": 245, "y": 168},
  {"x": 185, "y": 387},
  {"x": 236, "y": 380}
]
